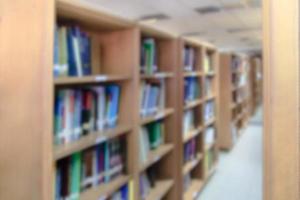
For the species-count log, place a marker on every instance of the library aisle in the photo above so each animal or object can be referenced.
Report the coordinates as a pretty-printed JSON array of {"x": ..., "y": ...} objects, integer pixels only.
[{"x": 239, "y": 174}]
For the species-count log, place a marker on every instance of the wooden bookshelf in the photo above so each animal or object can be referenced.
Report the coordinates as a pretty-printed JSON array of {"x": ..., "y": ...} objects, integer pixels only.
[
  {"x": 162, "y": 159},
  {"x": 255, "y": 83},
  {"x": 116, "y": 62},
  {"x": 195, "y": 167},
  {"x": 235, "y": 97}
]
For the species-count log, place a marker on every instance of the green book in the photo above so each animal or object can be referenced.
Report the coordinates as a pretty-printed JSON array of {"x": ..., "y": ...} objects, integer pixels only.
[
  {"x": 155, "y": 135},
  {"x": 75, "y": 176},
  {"x": 149, "y": 51}
]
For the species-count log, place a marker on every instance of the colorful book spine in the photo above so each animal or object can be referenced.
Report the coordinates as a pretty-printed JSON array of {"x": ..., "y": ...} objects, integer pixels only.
[
  {"x": 148, "y": 56},
  {"x": 79, "y": 112}
]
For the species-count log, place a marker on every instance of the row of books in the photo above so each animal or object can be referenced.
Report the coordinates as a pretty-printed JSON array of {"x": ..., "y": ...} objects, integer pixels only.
[
  {"x": 210, "y": 135},
  {"x": 152, "y": 97},
  {"x": 94, "y": 166},
  {"x": 151, "y": 137},
  {"x": 72, "y": 52},
  {"x": 208, "y": 63},
  {"x": 78, "y": 112},
  {"x": 190, "y": 150},
  {"x": 148, "y": 56},
  {"x": 189, "y": 61},
  {"x": 209, "y": 110},
  {"x": 121, "y": 194},
  {"x": 188, "y": 121},
  {"x": 147, "y": 182},
  {"x": 236, "y": 63},
  {"x": 191, "y": 89}
]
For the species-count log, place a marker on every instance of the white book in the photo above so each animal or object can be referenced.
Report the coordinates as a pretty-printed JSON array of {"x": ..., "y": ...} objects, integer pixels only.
[
  {"x": 147, "y": 99},
  {"x": 101, "y": 98},
  {"x": 77, "y": 56},
  {"x": 67, "y": 134}
]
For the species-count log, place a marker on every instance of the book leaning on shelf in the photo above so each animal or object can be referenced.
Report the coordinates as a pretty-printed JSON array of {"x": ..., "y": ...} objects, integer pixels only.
[
  {"x": 151, "y": 137},
  {"x": 147, "y": 182},
  {"x": 209, "y": 111},
  {"x": 188, "y": 122},
  {"x": 92, "y": 167},
  {"x": 72, "y": 52},
  {"x": 152, "y": 97},
  {"x": 148, "y": 56},
  {"x": 208, "y": 68},
  {"x": 78, "y": 112}
]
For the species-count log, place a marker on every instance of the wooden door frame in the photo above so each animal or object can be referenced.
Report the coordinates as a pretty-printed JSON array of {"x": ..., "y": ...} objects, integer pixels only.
[{"x": 281, "y": 99}]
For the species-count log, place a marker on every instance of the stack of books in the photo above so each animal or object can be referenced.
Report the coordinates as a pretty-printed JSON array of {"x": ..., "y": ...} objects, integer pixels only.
[
  {"x": 94, "y": 166},
  {"x": 72, "y": 52},
  {"x": 190, "y": 150},
  {"x": 78, "y": 112},
  {"x": 188, "y": 58},
  {"x": 148, "y": 56},
  {"x": 151, "y": 137},
  {"x": 209, "y": 110},
  {"x": 152, "y": 96},
  {"x": 191, "y": 89}
]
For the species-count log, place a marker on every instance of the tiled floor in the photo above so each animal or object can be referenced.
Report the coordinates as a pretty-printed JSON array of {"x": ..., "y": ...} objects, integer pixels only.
[{"x": 239, "y": 173}]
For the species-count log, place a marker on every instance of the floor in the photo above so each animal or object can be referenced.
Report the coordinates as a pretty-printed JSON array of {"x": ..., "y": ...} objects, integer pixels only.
[{"x": 239, "y": 173}]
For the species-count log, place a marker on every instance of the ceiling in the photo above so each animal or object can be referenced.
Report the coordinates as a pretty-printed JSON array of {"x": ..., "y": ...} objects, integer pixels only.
[{"x": 228, "y": 24}]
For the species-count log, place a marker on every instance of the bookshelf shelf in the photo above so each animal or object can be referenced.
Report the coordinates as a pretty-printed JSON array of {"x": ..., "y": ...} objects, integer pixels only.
[
  {"x": 158, "y": 75},
  {"x": 192, "y": 104},
  {"x": 210, "y": 122},
  {"x": 156, "y": 155},
  {"x": 64, "y": 81},
  {"x": 192, "y": 134},
  {"x": 105, "y": 190},
  {"x": 211, "y": 172},
  {"x": 210, "y": 97},
  {"x": 188, "y": 167},
  {"x": 161, "y": 188},
  {"x": 90, "y": 140},
  {"x": 209, "y": 146},
  {"x": 194, "y": 190},
  {"x": 158, "y": 116}
]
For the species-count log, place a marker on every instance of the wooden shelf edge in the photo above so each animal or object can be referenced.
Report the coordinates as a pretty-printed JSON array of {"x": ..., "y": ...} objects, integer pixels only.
[
  {"x": 161, "y": 188},
  {"x": 194, "y": 190},
  {"x": 158, "y": 75},
  {"x": 210, "y": 97},
  {"x": 193, "y": 104},
  {"x": 192, "y": 134},
  {"x": 192, "y": 164},
  {"x": 105, "y": 190},
  {"x": 87, "y": 13},
  {"x": 91, "y": 139},
  {"x": 156, "y": 155},
  {"x": 210, "y": 122},
  {"x": 160, "y": 115},
  {"x": 209, "y": 146},
  {"x": 90, "y": 79},
  {"x": 192, "y": 74}
]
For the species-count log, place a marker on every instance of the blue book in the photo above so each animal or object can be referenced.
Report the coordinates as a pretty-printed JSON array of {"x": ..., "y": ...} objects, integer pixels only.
[
  {"x": 124, "y": 192},
  {"x": 114, "y": 93},
  {"x": 106, "y": 161},
  {"x": 85, "y": 50},
  {"x": 56, "y": 67},
  {"x": 71, "y": 53}
]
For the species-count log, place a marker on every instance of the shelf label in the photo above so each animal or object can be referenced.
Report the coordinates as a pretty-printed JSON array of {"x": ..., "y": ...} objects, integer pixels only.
[
  {"x": 100, "y": 139},
  {"x": 101, "y": 78}
]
